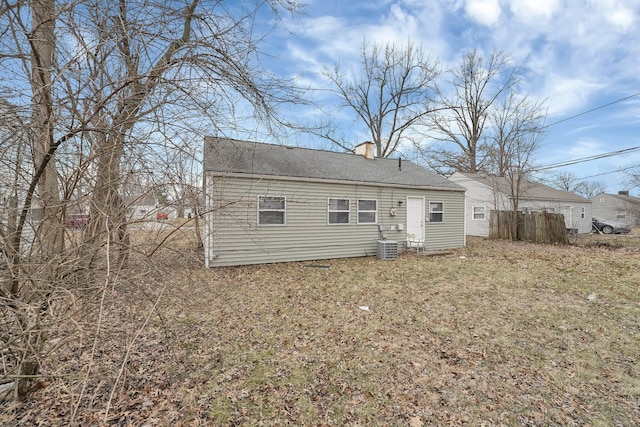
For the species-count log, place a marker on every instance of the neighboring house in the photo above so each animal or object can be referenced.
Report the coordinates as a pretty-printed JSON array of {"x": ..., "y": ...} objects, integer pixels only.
[
  {"x": 141, "y": 207},
  {"x": 272, "y": 203},
  {"x": 11, "y": 204},
  {"x": 617, "y": 207},
  {"x": 488, "y": 192},
  {"x": 147, "y": 208}
]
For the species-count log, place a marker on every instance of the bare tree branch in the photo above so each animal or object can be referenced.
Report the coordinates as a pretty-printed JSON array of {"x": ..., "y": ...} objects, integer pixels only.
[
  {"x": 391, "y": 96},
  {"x": 466, "y": 103}
]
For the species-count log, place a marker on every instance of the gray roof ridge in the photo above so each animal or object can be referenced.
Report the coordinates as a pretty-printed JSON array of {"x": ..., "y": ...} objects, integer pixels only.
[
  {"x": 484, "y": 176},
  {"x": 325, "y": 150},
  {"x": 625, "y": 197}
]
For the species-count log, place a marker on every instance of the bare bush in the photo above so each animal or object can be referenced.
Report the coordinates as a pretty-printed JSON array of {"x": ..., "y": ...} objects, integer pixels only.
[{"x": 91, "y": 91}]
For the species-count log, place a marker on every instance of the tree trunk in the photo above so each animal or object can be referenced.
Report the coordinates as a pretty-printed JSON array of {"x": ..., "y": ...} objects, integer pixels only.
[
  {"x": 51, "y": 232},
  {"x": 107, "y": 212},
  {"x": 43, "y": 43},
  {"x": 108, "y": 216}
]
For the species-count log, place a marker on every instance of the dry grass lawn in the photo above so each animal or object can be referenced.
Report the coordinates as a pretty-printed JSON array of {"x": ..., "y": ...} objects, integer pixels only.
[{"x": 497, "y": 333}]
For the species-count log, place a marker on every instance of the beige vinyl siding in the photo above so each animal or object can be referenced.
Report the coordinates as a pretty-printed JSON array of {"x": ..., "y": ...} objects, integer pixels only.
[
  {"x": 450, "y": 232},
  {"x": 234, "y": 238}
]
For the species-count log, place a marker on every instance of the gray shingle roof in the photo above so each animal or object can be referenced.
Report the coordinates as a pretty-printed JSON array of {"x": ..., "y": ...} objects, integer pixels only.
[
  {"x": 530, "y": 190},
  {"x": 224, "y": 155},
  {"x": 624, "y": 198}
]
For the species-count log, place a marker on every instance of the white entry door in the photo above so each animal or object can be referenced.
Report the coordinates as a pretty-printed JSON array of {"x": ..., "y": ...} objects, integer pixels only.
[
  {"x": 415, "y": 219},
  {"x": 568, "y": 216}
]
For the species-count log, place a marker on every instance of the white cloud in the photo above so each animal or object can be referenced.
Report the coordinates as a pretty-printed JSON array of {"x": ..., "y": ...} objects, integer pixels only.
[
  {"x": 585, "y": 147},
  {"x": 322, "y": 32},
  {"x": 534, "y": 10},
  {"x": 566, "y": 94},
  {"x": 299, "y": 54},
  {"x": 402, "y": 20},
  {"x": 622, "y": 19},
  {"x": 484, "y": 12}
]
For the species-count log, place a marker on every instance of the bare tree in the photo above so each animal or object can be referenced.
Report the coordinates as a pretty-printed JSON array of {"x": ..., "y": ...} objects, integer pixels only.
[
  {"x": 633, "y": 178},
  {"x": 517, "y": 126},
  {"x": 391, "y": 96},
  {"x": 92, "y": 81},
  {"x": 22, "y": 305},
  {"x": 568, "y": 181},
  {"x": 42, "y": 42},
  {"x": 588, "y": 189},
  {"x": 15, "y": 167},
  {"x": 466, "y": 103}
]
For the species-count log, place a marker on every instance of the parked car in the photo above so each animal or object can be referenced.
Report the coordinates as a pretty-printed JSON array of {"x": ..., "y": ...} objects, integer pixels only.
[
  {"x": 76, "y": 220},
  {"x": 608, "y": 227}
]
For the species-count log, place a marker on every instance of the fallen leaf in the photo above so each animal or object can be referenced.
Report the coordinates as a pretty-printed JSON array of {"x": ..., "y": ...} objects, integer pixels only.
[{"x": 415, "y": 422}]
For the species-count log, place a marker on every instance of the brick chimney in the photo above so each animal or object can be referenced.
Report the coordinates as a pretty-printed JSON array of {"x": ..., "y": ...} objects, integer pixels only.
[{"x": 367, "y": 150}]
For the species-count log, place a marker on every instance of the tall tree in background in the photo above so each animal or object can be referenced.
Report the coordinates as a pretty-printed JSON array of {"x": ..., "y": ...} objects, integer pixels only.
[
  {"x": 633, "y": 178},
  {"x": 466, "y": 103},
  {"x": 140, "y": 77},
  {"x": 15, "y": 162},
  {"x": 568, "y": 181},
  {"x": 588, "y": 189},
  {"x": 517, "y": 127},
  {"x": 391, "y": 96}
]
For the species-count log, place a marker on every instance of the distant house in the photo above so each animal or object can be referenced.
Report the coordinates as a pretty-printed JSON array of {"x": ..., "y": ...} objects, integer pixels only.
[
  {"x": 271, "y": 203},
  {"x": 12, "y": 199},
  {"x": 489, "y": 192},
  {"x": 140, "y": 207},
  {"x": 10, "y": 210},
  {"x": 619, "y": 207},
  {"x": 147, "y": 208}
]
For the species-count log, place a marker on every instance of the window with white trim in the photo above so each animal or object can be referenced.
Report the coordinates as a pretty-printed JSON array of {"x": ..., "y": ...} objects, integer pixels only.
[
  {"x": 479, "y": 212},
  {"x": 436, "y": 211},
  {"x": 272, "y": 210},
  {"x": 338, "y": 211},
  {"x": 583, "y": 212},
  {"x": 621, "y": 214},
  {"x": 367, "y": 211}
]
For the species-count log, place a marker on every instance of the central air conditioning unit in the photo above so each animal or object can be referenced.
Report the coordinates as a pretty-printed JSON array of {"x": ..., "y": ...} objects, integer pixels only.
[{"x": 387, "y": 249}]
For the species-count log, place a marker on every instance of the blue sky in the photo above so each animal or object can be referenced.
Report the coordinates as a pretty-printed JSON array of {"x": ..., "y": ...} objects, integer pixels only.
[{"x": 577, "y": 55}]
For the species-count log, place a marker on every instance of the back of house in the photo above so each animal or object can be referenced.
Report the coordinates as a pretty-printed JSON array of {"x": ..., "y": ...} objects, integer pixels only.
[{"x": 272, "y": 203}]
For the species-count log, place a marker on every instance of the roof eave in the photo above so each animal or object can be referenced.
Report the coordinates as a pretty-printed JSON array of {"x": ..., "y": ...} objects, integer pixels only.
[
  {"x": 332, "y": 181},
  {"x": 553, "y": 199}
]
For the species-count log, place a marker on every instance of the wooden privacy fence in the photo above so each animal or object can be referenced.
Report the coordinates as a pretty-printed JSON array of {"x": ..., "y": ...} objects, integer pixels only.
[{"x": 537, "y": 227}]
